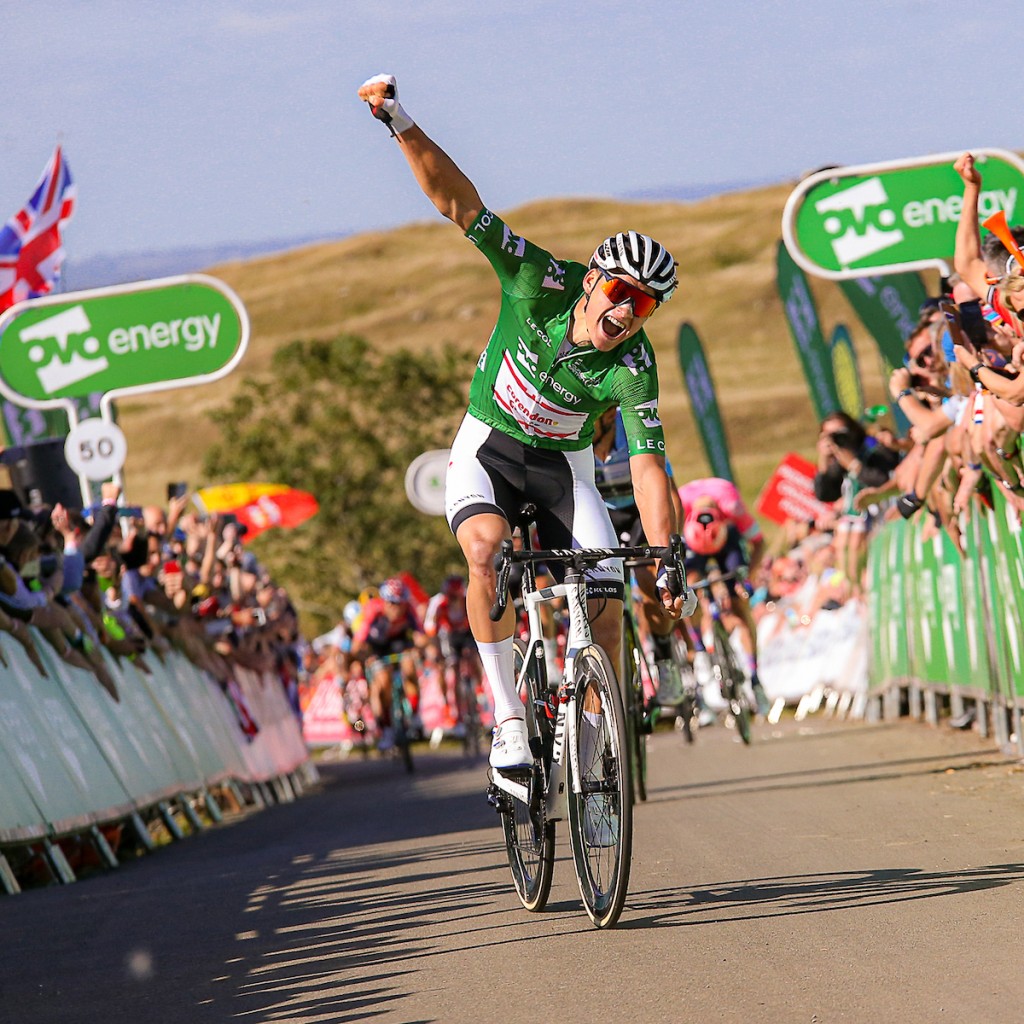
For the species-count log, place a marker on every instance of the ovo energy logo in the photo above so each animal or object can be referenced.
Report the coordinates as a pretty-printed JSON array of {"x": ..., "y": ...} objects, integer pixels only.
[
  {"x": 131, "y": 339},
  {"x": 846, "y": 221},
  {"x": 60, "y": 373}
]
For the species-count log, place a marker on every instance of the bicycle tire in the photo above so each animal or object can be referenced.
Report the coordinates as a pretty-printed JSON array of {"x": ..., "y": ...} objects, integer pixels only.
[
  {"x": 732, "y": 681},
  {"x": 529, "y": 836},
  {"x": 469, "y": 716},
  {"x": 400, "y": 723},
  {"x": 600, "y": 807},
  {"x": 687, "y": 713},
  {"x": 632, "y": 681}
]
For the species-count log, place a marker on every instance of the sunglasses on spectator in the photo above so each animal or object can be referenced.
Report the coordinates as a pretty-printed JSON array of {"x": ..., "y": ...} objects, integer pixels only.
[
  {"x": 925, "y": 353},
  {"x": 622, "y": 293}
]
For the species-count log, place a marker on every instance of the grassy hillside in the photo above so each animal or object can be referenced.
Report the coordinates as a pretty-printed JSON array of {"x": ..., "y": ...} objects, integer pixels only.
[{"x": 423, "y": 285}]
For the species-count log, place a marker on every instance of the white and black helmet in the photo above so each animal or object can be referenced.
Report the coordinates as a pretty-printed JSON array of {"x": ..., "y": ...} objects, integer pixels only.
[{"x": 641, "y": 257}]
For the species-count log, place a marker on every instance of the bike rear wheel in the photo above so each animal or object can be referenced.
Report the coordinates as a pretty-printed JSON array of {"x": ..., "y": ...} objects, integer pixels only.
[
  {"x": 599, "y": 789},
  {"x": 529, "y": 836}
]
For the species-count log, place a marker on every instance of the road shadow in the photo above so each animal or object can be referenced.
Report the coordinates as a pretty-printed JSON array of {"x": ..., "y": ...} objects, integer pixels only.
[
  {"x": 835, "y": 775},
  {"x": 788, "y": 895},
  {"x": 300, "y": 912}
]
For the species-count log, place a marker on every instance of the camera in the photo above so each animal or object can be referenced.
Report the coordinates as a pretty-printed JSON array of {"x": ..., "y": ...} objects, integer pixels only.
[
  {"x": 842, "y": 439},
  {"x": 177, "y": 490}
]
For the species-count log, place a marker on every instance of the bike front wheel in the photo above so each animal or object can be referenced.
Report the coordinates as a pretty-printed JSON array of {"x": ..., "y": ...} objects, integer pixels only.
[
  {"x": 733, "y": 682},
  {"x": 529, "y": 836},
  {"x": 599, "y": 798},
  {"x": 634, "y": 669}
]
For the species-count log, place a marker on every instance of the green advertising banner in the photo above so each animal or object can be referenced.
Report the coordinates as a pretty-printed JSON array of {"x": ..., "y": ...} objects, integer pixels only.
[
  {"x": 889, "y": 308},
  {"x": 894, "y": 216},
  {"x": 129, "y": 339},
  {"x": 846, "y": 372},
  {"x": 805, "y": 328},
  {"x": 701, "y": 387}
]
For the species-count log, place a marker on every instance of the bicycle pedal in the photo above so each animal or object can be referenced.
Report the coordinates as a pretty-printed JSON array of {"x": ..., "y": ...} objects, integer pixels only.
[{"x": 497, "y": 799}]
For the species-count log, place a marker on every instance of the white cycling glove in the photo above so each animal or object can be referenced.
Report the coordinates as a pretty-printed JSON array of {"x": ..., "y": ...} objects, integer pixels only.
[
  {"x": 671, "y": 580},
  {"x": 390, "y": 111}
]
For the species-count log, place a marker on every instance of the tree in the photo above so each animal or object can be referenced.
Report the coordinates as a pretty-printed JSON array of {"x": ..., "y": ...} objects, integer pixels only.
[{"x": 343, "y": 421}]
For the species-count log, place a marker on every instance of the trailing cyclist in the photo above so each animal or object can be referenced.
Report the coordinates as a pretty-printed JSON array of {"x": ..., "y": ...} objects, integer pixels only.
[
  {"x": 569, "y": 341},
  {"x": 389, "y": 627},
  {"x": 614, "y": 481},
  {"x": 718, "y": 529},
  {"x": 447, "y": 619}
]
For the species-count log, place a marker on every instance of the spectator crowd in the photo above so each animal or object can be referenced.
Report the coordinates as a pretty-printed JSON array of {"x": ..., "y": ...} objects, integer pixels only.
[{"x": 140, "y": 582}]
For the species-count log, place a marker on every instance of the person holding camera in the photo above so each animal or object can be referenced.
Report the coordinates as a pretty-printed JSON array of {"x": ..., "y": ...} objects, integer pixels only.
[{"x": 848, "y": 460}]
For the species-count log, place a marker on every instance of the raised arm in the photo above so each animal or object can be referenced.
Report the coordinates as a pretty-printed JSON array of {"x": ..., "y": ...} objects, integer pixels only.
[
  {"x": 967, "y": 258},
  {"x": 454, "y": 195}
]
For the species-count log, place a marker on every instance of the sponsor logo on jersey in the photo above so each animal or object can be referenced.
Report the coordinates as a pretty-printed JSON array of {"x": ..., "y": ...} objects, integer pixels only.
[
  {"x": 560, "y": 389},
  {"x": 648, "y": 413},
  {"x": 527, "y": 359},
  {"x": 638, "y": 360},
  {"x": 513, "y": 243},
  {"x": 482, "y": 361},
  {"x": 588, "y": 380},
  {"x": 535, "y": 416},
  {"x": 535, "y": 327},
  {"x": 483, "y": 222},
  {"x": 555, "y": 276}
]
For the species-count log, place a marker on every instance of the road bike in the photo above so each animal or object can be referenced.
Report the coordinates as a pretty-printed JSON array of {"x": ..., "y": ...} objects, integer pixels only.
[
  {"x": 577, "y": 732},
  {"x": 461, "y": 682},
  {"x": 401, "y": 709},
  {"x": 651, "y": 687},
  {"x": 725, "y": 666}
]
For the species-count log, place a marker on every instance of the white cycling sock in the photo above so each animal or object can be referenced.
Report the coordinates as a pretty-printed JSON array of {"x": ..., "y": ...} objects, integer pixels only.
[{"x": 500, "y": 670}]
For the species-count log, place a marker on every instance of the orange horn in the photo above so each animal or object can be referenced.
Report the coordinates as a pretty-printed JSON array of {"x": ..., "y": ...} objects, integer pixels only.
[{"x": 998, "y": 226}]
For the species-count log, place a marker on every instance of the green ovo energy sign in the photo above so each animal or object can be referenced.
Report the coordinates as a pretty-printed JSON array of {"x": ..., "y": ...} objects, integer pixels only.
[
  {"x": 849, "y": 222},
  {"x": 125, "y": 340}
]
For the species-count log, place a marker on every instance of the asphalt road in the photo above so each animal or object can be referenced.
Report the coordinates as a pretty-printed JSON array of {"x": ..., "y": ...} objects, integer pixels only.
[{"x": 830, "y": 872}]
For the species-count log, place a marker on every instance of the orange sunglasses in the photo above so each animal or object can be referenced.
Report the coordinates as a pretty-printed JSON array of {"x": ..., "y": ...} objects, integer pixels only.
[{"x": 621, "y": 293}]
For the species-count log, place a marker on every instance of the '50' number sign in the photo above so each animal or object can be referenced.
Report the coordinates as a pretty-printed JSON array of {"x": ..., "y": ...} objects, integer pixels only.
[{"x": 96, "y": 449}]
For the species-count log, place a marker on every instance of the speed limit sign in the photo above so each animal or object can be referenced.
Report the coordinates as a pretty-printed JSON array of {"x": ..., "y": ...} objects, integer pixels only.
[{"x": 96, "y": 449}]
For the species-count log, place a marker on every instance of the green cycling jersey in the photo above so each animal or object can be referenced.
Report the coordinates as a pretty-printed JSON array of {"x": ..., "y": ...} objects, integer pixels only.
[{"x": 531, "y": 382}]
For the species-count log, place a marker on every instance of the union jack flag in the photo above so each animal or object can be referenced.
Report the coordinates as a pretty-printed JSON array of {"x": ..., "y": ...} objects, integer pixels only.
[{"x": 30, "y": 244}]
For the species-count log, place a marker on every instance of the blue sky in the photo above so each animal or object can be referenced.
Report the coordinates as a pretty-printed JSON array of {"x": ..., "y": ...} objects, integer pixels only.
[{"x": 197, "y": 123}]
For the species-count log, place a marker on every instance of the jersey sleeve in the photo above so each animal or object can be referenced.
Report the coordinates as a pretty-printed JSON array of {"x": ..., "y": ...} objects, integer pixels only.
[
  {"x": 524, "y": 269},
  {"x": 635, "y": 388}
]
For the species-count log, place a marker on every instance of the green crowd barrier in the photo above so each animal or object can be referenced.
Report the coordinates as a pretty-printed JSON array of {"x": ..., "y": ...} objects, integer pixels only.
[
  {"x": 73, "y": 758},
  {"x": 950, "y": 623}
]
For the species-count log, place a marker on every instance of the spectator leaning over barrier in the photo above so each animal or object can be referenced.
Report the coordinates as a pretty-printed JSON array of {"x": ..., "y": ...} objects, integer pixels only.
[
  {"x": 848, "y": 459},
  {"x": 990, "y": 270},
  {"x": 14, "y": 616}
]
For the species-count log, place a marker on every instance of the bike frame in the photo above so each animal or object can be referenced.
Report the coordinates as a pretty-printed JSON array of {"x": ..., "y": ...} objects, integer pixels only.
[{"x": 574, "y": 590}]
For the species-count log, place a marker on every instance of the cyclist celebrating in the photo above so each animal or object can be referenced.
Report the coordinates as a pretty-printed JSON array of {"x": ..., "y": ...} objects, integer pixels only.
[
  {"x": 717, "y": 527},
  {"x": 569, "y": 342}
]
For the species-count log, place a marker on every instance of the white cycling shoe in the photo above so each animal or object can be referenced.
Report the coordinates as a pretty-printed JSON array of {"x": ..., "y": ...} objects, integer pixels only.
[{"x": 510, "y": 747}]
